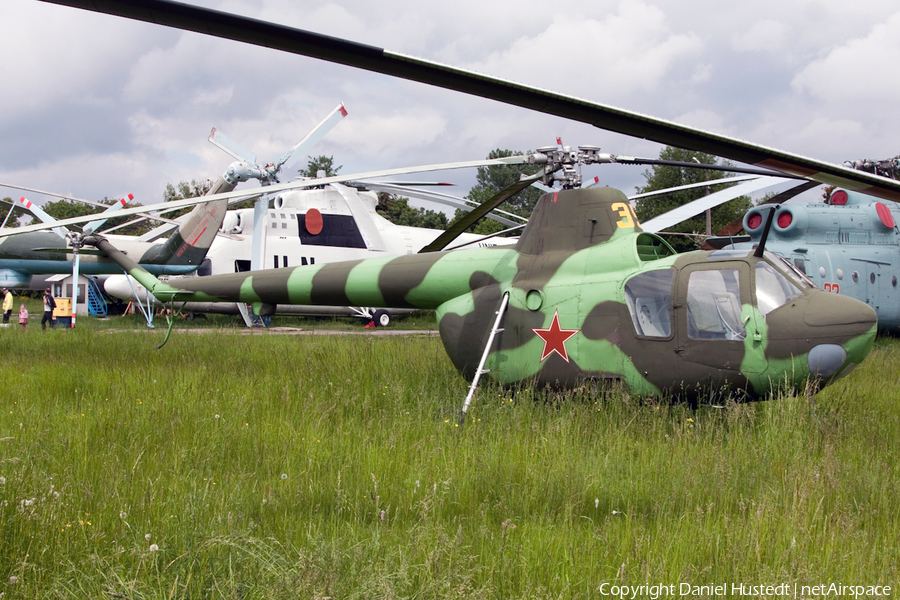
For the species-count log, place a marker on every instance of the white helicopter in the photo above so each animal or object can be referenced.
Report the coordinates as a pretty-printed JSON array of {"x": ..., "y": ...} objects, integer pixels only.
[{"x": 328, "y": 223}]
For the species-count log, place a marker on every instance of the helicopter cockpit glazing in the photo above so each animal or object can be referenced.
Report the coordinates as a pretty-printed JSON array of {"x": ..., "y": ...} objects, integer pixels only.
[
  {"x": 649, "y": 299},
  {"x": 713, "y": 300},
  {"x": 773, "y": 289},
  {"x": 714, "y": 305}
]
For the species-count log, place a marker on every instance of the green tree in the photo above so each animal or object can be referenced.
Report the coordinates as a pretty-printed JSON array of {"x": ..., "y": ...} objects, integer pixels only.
[
  {"x": 183, "y": 190},
  {"x": 664, "y": 177},
  {"x": 320, "y": 163},
  {"x": 397, "y": 210}
]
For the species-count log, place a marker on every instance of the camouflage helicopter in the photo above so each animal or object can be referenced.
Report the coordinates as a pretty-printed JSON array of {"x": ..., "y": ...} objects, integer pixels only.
[{"x": 585, "y": 294}]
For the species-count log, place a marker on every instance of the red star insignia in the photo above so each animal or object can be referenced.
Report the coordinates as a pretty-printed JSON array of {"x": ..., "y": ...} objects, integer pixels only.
[{"x": 555, "y": 338}]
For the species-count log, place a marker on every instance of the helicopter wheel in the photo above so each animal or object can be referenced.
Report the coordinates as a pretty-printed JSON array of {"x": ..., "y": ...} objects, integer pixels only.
[{"x": 382, "y": 318}]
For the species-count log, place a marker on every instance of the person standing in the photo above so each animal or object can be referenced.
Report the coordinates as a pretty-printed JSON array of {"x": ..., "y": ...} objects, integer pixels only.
[
  {"x": 7, "y": 305},
  {"x": 23, "y": 316},
  {"x": 49, "y": 305}
]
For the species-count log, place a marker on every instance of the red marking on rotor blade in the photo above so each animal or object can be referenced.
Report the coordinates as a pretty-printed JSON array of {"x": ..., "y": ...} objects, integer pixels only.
[
  {"x": 559, "y": 141},
  {"x": 197, "y": 237},
  {"x": 27, "y": 203},
  {"x": 343, "y": 111}
]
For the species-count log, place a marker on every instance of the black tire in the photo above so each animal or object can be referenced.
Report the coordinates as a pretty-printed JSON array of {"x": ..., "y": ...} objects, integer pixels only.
[{"x": 382, "y": 318}]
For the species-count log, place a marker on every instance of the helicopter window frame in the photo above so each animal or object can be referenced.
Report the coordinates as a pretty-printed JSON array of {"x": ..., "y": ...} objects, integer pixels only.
[
  {"x": 714, "y": 305},
  {"x": 648, "y": 296}
]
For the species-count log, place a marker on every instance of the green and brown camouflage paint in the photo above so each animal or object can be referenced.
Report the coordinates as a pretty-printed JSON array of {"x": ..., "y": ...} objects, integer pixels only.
[{"x": 568, "y": 320}]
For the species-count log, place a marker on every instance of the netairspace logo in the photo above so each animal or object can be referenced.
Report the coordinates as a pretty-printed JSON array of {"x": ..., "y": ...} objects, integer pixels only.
[{"x": 713, "y": 590}]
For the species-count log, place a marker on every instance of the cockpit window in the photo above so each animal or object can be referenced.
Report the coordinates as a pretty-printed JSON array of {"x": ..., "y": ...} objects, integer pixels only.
[
  {"x": 648, "y": 296},
  {"x": 714, "y": 305},
  {"x": 772, "y": 288}
]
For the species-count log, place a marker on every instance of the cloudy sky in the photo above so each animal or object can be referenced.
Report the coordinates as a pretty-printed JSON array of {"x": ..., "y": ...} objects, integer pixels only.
[{"x": 96, "y": 106}]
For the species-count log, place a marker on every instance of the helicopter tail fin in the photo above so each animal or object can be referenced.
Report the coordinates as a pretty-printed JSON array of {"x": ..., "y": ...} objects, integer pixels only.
[
  {"x": 190, "y": 242},
  {"x": 573, "y": 220}
]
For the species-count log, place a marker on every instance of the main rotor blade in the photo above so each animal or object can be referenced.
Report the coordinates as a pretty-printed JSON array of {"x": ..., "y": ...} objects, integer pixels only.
[
  {"x": 634, "y": 160},
  {"x": 691, "y": 209},
  {"x": 458, "y": 227},
  {"x": 91, "y": 202},
  {"x": 689, "y": 186},
  {"x": 312, "y": 138},
  {"x": 445, "y": 199},
  {"x": 230, "y": 147},
  {"x": 292, "y": 185},
  {"x": 371, "y": 58}
]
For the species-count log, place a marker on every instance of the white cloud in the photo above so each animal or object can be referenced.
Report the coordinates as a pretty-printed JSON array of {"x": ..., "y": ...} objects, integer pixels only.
[
  {"x": 857, "y": 72},
  {"x": 763, "y": 36},
  {"x": 626, "y": 52}
]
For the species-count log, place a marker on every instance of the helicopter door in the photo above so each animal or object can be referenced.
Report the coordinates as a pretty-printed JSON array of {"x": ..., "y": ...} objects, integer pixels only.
[
  {"x": 873, "y": 278},
  {"x": 709, "y": 309}
]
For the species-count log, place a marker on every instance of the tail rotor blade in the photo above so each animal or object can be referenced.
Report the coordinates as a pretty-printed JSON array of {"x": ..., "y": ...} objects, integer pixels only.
[
  {"x": 120, "y": 203},
  {"x": 42, "y": 216}
]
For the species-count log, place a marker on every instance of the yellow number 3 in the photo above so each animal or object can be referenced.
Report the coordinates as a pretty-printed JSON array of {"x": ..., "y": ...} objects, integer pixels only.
[{"x": 626, "y": 212}]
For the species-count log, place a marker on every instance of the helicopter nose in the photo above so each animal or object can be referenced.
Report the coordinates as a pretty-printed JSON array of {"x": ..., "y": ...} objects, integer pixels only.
[
  {"x": 843, "y": 331},
  {"x": 842, "y": 312}
]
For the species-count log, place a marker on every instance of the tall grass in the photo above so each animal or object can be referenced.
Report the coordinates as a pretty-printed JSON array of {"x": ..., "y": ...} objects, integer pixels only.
[{"x": 261, "y": 466}]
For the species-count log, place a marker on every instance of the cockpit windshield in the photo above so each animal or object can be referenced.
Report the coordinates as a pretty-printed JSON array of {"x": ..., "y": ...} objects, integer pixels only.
[
  {"x": 773, "y": 289},
  {"x": 797, "y": 276}
]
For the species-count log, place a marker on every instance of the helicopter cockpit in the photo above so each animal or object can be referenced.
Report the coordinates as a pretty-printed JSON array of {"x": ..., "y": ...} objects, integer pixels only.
[{"x": 713, "y": 295}]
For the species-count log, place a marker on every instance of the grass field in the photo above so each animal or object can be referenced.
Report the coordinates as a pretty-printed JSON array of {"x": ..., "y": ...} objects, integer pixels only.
[{"x": 234, "y": 466}]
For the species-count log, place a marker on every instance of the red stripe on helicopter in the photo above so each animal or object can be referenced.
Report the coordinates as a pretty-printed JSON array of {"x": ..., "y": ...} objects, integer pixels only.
[{"x": 197, "y": 237}]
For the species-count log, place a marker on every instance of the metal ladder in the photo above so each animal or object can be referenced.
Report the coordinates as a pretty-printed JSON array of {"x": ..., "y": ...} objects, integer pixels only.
[
  {"x": 487, "y": 350},
  {"x": 96, "y": 302}
]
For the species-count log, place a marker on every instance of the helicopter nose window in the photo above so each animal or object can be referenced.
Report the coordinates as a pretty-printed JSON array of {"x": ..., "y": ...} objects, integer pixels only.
[
  {"x": 772, "y": 288},
  {"x": 648, "y": 297},
  {"x": 714, "y": 305}
]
